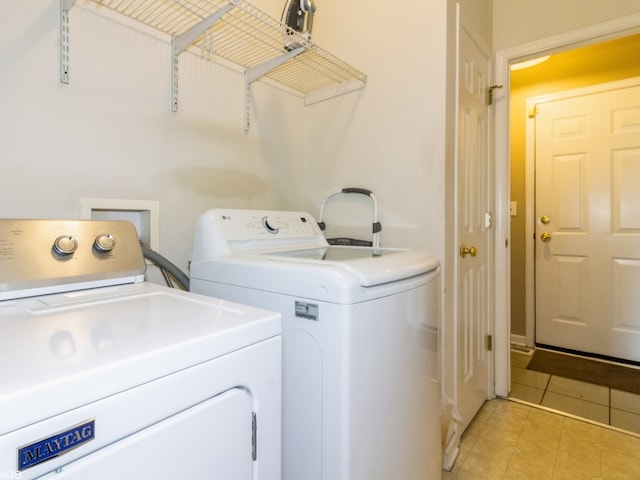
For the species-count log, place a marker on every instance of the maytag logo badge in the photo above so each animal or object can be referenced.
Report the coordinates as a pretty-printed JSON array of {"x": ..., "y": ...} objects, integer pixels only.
[{"x": 56, "y": 445}]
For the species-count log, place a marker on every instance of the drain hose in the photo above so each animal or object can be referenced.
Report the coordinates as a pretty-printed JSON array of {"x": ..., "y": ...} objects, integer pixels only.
[{"x": 166, "y": 267}]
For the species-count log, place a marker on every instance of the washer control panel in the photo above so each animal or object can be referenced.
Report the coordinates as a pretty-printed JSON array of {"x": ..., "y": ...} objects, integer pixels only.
[
  {"x": 54, "y": 254},
  {"x": 227, "y": 231},
  {"x": 252, "y": 225}
]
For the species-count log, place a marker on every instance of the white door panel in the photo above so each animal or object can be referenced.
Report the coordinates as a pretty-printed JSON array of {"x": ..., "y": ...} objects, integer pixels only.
[
  {"x": 473, "y": 227},
  {"x": 588, "y": 187}
]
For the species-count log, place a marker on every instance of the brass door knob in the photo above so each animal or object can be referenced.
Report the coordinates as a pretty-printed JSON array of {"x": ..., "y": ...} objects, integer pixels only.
[
  {"x": 545, "y": 219},
  {"x": 545, "y": 237},
  {"x": 464, "y": 251}
]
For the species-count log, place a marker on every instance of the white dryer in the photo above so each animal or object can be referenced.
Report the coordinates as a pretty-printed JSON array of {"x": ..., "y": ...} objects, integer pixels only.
[
  {"x": 105, "y": 376},
  {"x": 361, "y": 394}
]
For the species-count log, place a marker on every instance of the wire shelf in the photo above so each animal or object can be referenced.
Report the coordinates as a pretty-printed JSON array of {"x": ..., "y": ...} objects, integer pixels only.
[{"x": 238, "y": 32}]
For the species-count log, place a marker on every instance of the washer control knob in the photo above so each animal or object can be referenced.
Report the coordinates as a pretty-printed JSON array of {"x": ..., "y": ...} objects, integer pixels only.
[
  {"x": 104, "y": 243},
  {"x": 270, "y": 225},
  {"x": 65, "y": 245}
]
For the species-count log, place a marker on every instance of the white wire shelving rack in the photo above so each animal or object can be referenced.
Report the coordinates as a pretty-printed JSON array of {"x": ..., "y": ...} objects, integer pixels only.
[{"x": 237, "y": 32}]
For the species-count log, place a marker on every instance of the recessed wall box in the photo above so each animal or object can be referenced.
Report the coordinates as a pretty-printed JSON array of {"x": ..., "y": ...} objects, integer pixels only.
[{"x": 144, "y": 214}]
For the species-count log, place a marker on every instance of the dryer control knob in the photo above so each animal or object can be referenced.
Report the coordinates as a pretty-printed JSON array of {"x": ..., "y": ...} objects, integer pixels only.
[
  {"x": 270, "y": 225},
  {"x": 65, "y": 245},
  {"x": 104, "y": 243}
]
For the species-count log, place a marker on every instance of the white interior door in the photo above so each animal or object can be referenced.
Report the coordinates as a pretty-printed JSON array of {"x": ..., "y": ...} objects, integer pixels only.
[
  {"x": 473, "y": 230},
  {"x": 588, "y": 222}
]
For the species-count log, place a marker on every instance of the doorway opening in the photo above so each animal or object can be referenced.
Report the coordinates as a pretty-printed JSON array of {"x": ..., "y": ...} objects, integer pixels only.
[
  {"x": 571, "y": 62},
  {"x": 580, "y": 68}
]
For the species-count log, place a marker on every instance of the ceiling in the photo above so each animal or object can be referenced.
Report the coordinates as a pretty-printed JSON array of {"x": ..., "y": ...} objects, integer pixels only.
[{"x": 622, "y": 54}]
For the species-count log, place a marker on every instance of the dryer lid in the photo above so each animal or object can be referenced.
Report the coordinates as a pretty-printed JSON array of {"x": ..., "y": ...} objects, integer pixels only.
[{"x": 77, "y": 347}]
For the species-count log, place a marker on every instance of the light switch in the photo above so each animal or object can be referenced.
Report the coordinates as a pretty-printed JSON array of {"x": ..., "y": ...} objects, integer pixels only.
[{"x": 513, "y": 209}]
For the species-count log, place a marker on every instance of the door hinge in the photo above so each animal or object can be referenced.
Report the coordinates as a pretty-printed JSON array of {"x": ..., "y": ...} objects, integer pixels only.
[
  {"x": 254, "y": 436},
  {"x": 490, "y": 93},
  {"x": 490, "y": 342}
]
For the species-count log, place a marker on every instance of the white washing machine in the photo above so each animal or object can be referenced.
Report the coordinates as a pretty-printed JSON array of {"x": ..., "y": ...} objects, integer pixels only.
[
  {"x": 361, "y": 394},
  {"x": 105, "y": 376}
]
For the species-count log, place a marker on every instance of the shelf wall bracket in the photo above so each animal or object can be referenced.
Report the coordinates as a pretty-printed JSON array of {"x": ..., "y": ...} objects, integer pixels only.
[
  {"x": 247, "y": 102},
  {"x": 256, "y": 72},
  {"x": 65, "y": 6},
  {"x": 179, "y": 43}
]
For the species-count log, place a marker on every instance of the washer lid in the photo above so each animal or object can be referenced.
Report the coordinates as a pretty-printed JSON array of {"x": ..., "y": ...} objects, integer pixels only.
[
  {"x": 317, "y": 274},
  {"x": 66, "y": 350},
  {"x": 371, "y": 266}
]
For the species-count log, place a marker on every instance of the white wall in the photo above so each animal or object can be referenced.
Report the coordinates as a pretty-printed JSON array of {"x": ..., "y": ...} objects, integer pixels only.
[
  {"x": 480, "y": 12},
  {"x": 111, "y": 133},
  {"x": 390, "y": 136},
  {"x": 517, "y": 22}
]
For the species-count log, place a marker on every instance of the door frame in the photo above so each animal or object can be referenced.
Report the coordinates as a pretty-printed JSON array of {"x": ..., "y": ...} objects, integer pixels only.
[
  {"x": 609, "y": 30},
  {"x": 530, "y": 191}
]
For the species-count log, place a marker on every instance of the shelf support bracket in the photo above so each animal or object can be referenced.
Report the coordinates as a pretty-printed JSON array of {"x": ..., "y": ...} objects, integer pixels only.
[
  {"x": 254, "y": 73},
  {"x": 65, "y": 6},
  {"x": 179, "y": 43},
  {"x": 257, "y": 71}
]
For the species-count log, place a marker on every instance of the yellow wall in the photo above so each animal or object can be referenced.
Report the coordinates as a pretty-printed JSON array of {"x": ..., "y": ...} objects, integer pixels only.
[{"x": 605, "y": 62}]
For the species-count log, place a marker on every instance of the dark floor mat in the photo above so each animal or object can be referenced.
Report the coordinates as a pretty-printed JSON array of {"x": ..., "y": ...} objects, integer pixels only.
[{"x": 586, "y": 370}]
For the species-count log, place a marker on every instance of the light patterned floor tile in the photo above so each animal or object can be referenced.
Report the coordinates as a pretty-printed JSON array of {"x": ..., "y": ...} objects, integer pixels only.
[
  {"x": 528, "y": 394},
  {"x": 618, "y": 466},
  {"x": 625, "y": 420},
  {"x": 549, "y": 446},
  {"x": 477, "y": 467},
  {"x": 531, "y": 378},
  {"x": 580, "y": 390},
  {"x": 624, "y": 407},
  {"x": 621, "y": 442},
  {"x": 629, "y": 402},
  {"x": 526, "y": 466},
  {"x": 574, "y": 406}
]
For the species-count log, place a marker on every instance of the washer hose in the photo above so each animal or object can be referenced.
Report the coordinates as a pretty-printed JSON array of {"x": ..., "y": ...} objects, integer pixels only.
[{"x": 167, "y": 268}]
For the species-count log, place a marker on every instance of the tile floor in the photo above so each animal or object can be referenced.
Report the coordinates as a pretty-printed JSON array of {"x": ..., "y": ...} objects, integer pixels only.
[
  {"x": 594, "y": 402},
  {"x": 513, "y": 441}
]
